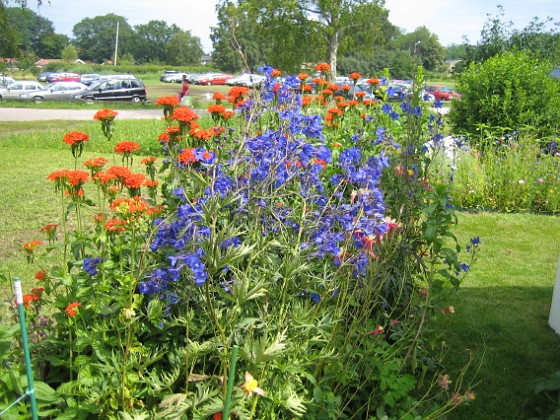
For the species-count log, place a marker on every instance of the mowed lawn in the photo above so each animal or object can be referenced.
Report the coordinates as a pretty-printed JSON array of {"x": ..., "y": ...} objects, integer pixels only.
[{"x": 502, "y": 312}]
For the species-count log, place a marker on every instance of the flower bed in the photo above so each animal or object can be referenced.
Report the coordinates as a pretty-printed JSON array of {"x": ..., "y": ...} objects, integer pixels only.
[{"x": 285, "y": 261}]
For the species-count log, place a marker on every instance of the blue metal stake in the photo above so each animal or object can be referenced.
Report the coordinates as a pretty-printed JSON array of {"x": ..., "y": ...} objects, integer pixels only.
[{"x": 31, "y": 388}]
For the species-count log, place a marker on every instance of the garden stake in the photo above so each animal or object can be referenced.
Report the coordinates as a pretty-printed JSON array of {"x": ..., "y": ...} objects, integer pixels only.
[
  {"x": 231, "y": 378},
  {"x": 30, "y": 388}
]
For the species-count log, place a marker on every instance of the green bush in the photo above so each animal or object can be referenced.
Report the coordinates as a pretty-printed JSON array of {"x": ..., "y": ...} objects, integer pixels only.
[{"x": 509, "y": 90}]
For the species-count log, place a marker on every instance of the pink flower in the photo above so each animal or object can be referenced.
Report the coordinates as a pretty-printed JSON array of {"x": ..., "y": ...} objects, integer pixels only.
[
  {"x": 377, "y": 331},
  {"x": 444, "y": 381}
]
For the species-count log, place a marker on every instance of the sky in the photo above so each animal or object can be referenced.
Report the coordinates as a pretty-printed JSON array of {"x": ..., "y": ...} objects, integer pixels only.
[{"x": 450, "y": 20}]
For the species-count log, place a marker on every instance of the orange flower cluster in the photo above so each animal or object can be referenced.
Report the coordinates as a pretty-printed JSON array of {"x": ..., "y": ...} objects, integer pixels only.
[
  {"x": 171, "y": 101},
  {"x": 216, "y": 109},
  {"x": 187, "y": 156},
  {"x": 374, "y": 81},
  {"x": 126, "y": 147},
  {"x": 134, "y": 181},
  {"x": 33, "y": 296},
  {"x": 236, "y": 93},
  {"x": 71, "y": 309},
  {"x": 40, "y": 275},
  {"x": 49, "y": 228},
  {"x": 355, "y": 76},
  {"x": 302, "y": 76},
  {"x": 331, "y": 116},
  {"x": 131, "y": 207},
  {"x": 75, "y": 137},
  {"x": 149, "y": 161},
  {"x": 184, "y": 114},
  {"x": 275, "y": 73},
  {"x": 105, "y": 115},
  {"x": 170, "y": 135},
  {"x": 31, "y": 246},
  {"x": 115, "y": 225},
  {"x": 218, "y": 96},
  {"x": 95, "y": 164},
  {"x": 323, "y": 67}
]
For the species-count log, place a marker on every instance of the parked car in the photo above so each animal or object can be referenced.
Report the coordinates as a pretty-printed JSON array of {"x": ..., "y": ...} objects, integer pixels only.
[
  {"x": 174, "y": 78},
  {"x": 5, "y": 80},
  {"x": 63, "y": 77},
  {"x": 43, "y": 76},
  {"x": 55, "y": 91},
  {"x": 88, "y": 79},
  {"x": 167, "y": 73},
  {"x": 442, "y": 93},
  {"x": 246, "y": 79},
  {"x": 18, "y": 87},
  {"x": 213, "y": 79},
  {"x": 114, "y": 89},
  {"x": 114, "y": 76}
]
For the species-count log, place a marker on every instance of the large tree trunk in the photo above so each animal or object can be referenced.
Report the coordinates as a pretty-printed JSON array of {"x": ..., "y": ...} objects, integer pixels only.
[{"x": 332, "y": 41}]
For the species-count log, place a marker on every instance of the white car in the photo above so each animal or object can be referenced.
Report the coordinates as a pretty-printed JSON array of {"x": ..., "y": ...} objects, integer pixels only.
[
  {"x": 18, "y": 87},
  {"x": 5, "y": 80},
  {"x": 55, "y": 91},
  {"x": 246, "y": 79}
]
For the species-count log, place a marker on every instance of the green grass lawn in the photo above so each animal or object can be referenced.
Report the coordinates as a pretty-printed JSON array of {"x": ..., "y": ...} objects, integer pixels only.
[
  {"x": 501, "y": 310},
  {"x": 501, "y": 313}
]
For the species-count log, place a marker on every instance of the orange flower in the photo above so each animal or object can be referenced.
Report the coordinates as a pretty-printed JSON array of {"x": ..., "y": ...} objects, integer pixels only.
[
  {"x": 71, "y": 309},
  {"x": 77, "y": 178},
  {"x": 95, "y": 163},
  {"x": 149, "y": 160},
  {"x": 40, "y": 275},
  {"x": 374, "y": 81},
  {"x": 119, "y": 172},
  {"x": 323, "y": 67},
  {"x": 171, "y": 101},
  {"x": 105, "y": 115},
  {"x": 218, "y": 96},
  {"x": 115, "y": 225},
  {"x": 237, "y": 92},
  {"x": 75, "y": 137},
  {"x": 216, "y": 109},
  {"x": 31, "y": 246},
  {"x": 125, "y": 147},
  {"x": 184, "y": 114},
  {"x": 275, "y": 73},
  {"x": 49, "y": 228},
  {"x": 134, "y": 180},
  {"x": 355, "y": 76},
  {"x": 187, "y": 156},
  {"x": 302, "y": 76}
]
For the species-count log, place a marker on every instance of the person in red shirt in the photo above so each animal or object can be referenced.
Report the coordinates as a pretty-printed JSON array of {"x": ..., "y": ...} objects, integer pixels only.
[{"x": 184, "y": 87}]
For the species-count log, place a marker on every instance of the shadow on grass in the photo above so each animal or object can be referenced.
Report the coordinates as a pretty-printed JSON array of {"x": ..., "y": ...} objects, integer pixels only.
[{"x": 505, "y": 331}]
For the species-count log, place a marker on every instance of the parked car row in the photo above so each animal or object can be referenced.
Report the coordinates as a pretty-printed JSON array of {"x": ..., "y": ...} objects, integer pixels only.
[
  {"x": 104, "y": 88},
  {"x": 212, "y": 78}
]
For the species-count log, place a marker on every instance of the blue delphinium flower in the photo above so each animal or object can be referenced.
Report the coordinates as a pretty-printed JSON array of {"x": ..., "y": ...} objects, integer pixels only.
[{"x": 90, "y": 265}]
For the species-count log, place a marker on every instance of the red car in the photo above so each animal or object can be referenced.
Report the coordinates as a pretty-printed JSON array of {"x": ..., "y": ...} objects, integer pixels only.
[
  {"x": 214, "y": 79},
  {"x": 442, "y": 93},
  {"x": 63, "y": 77}
]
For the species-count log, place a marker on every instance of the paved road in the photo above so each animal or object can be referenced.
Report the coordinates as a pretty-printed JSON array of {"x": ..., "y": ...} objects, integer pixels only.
[{"x": 33, "y": 114}]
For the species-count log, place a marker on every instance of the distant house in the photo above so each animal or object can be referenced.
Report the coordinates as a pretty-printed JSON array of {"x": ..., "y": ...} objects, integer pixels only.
[
  {"x": 450, "y": 64},
  {"x": 10, "y": 62},
  {"x": 206, "y": 59},
  {"x": 46, "y": 61}
]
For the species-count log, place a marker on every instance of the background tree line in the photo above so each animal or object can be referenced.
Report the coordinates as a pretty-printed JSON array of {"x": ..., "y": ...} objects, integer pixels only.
[{"x": 351, "y": 35}]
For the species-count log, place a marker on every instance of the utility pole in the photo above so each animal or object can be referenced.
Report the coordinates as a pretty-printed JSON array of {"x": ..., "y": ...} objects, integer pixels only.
[{"x": 116, "y": 44}]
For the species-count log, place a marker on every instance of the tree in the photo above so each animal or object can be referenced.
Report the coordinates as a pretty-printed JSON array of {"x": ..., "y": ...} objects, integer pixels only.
[
  {"x": 95, "y": 38},
  {"x": 184, "y": 49},
  {"x": 326, "y": 23},
  {"x": 52, "y": 46},
  {"x": 69, "y": 53},
  {"x": 149, "y": 38},
  {"x": 30, "y": 27},
  {"x": 422, "y": 45},
  {"x": 236, "y": 40}
]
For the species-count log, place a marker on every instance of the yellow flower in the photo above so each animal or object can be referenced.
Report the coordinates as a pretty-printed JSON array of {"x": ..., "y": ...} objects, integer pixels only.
[{"x": 251, "y": 385}]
